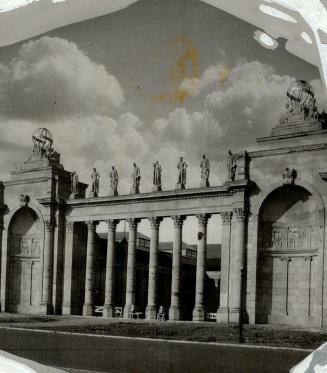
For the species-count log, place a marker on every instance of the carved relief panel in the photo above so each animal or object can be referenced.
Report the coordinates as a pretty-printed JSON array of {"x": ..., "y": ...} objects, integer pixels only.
[{"x": 294, "y": 238}]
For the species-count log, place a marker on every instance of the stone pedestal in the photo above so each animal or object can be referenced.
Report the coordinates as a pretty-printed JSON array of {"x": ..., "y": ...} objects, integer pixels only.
[
  {"x": 113, "y": 192},
  {"x": 88, "y": 307},
  {"x": 68, "y": 269},
  {"x": 174, "y": 310},
  {"x": 223, "y": 312},
  {"x": 131, "y": 266},
  {"x": 151, "y": 309},
  {"x": 108, "y": 310},
  {"x": 135, "y": 190},
  {"x": 156, "y": 188},
  {"x": 179, "y": 186},
  {"x": 46, "y": 300},
  {"x": 204, "y": 184},
  {"x": 74, "y": 196},
  {"x": 198, "y": 311}
]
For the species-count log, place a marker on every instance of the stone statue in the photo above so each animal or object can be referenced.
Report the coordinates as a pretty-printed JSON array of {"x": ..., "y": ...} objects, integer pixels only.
[
  {"x": 113, "y": 181},
  {"x": 135, "y": 179},
  {"x": 157, "y": 169},
  {"x": 182, "y": 168},
  {"x": 301, "y": 106},
  {"x": 205, "y": 171},
  {"x": 231, "y": 166},
  {"x": 74, "y": 184},
  {"x": 95, "y": 183}
]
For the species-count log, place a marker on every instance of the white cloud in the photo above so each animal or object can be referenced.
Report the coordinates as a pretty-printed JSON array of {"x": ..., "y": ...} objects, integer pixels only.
[{"x": 52, "y": 78}]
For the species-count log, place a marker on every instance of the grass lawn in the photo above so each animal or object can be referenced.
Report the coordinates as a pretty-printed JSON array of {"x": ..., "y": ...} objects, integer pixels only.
[{"x": 202, "y": 332}]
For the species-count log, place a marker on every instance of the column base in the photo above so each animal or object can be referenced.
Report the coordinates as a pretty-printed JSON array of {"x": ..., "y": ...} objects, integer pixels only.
[
  {"x": 223, "y": 315},
  {"x": 156, "y": 188},
  {"x": 46, "y": 309},
  {"x": 179, "y": 186},
  {"x": 134, "y": 190},
  {"x": 198, "y": 314},
  {"x": 204, "y": 184},
  {"x": 234, "y": 315},
  {"x": 93, "y": 194},
  {"x": 88, "y": 310},
  {"x": 108, "y": 311},
  {"x": 151, "y": 312},
  {"x": 113, "y": 192},
  {"x": 127, "y": 310},
  {"x": 174, "y": 313},
  {"x": 66, "y": 309}
]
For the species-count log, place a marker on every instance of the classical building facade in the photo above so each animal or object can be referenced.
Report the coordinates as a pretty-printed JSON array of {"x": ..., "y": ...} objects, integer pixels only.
[{"x": 272, "y": 208}]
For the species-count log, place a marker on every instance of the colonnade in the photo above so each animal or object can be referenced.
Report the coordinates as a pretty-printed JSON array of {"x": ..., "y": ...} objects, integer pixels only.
[{"x": 231, "y": 277}]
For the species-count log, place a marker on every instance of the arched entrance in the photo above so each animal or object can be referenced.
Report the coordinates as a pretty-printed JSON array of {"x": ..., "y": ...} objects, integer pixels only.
[
  {"x": 290, "y": 242},
  {"x": 24, "y": 277}
]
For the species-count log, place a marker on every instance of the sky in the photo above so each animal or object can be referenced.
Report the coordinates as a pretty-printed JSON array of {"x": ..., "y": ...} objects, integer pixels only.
[{"x": 155, "y": 81}]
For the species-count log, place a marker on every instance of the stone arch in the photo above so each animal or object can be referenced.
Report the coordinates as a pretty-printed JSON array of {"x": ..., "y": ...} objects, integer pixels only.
[
  {"x": 290, "y": 252},
  {"x": 24, "y": 260}
]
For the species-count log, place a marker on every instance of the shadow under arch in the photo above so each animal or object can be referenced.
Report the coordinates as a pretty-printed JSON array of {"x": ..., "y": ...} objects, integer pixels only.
[
  {"x": 25, "y": 239},
  {"x": 290, "y": 246}
]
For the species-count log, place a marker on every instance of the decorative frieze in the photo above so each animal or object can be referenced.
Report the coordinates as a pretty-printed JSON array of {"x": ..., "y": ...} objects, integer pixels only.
[
  {"x": 241, "y": 214},
  {"x": 25, "y": 246},
  {"x": 91, "y": 225},
  {"x": 133, "y": 223},
  {"x": 226, "y": 217},
  {"x": 296, "y": 238},
  {"x": 203, "y": 219},
  {"x": 178, "y": 220},
  {"x": 155, "y": 222},
  {"x": 112, "y": 224},
  {"x": 49, "y": 225}
]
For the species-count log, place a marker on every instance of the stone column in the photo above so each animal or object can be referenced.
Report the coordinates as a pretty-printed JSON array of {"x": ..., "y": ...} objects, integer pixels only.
[
  {"x": 68, "y": 269},
  {"x": 237, "y": 263},
  {"x": 174, "y": 310},
  {"x": 222, "y": 312},
  {"x": 89, "y": 273},
  {"x": 198, "y": 311},
  {"x": 131, "y": 266},
  {"x": 151, "y": 309},
  {"x": 46, "y": 299},
  {"x": 108, "y": 310}
]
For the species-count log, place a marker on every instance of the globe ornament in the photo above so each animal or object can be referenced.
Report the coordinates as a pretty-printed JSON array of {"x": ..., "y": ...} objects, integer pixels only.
[
  {"x": 301, "y": 104},
  {"x": 42, "y": 146},
  {"x": 42, "y": 138}
]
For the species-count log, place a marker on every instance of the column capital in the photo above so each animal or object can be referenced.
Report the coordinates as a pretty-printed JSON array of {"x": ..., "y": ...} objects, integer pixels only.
[
  {"x": 69, "y": 226},
  {"x": 155, "y": 222},
  {"x": 226, "y": 217},
  {"x": 203, "y": 218},
  {"x": 49, "y": 225},
  {"x": 112, "y": 224},
  {"x": 178, "y": 219},
  {"x": 133, "y": 222},
  {"x": 91, "y": 225},
  {"x": 241, "y": 213}
]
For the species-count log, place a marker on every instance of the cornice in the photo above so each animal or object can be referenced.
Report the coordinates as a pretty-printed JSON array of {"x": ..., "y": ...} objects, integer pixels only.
[
  {"x": 219, "y": 191},
  {"x": 286, "y": 150}
]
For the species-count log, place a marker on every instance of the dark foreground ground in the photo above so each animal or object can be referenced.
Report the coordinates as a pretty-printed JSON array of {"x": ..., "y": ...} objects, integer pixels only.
[
  {"x": 262, "y": 335},
  {"x": 133, "y": 355}
]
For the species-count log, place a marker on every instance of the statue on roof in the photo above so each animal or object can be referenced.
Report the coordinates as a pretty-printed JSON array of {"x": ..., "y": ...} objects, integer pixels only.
[
  {"x": 42, "y": 146},
  {"x": 135, "y": 179},
  {"x": 157, "y": 169},
  {"x": 301, "y": 104},
  {"x": 205, "y": 171},
  {"x": 113, "y": 181}
]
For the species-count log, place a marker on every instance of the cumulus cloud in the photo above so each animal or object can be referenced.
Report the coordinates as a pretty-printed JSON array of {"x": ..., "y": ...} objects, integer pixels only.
[
  {"x": 52, "y": 78},
  {"x": 235, "y": 113}
]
